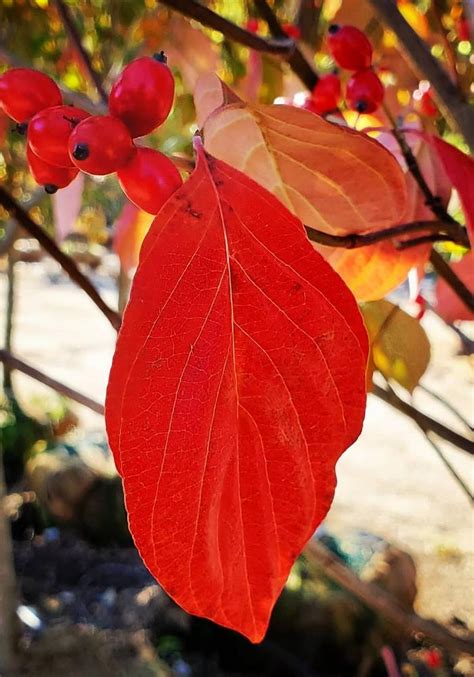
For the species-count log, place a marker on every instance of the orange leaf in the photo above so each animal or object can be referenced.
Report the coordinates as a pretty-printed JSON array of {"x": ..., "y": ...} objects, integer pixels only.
[
  {"x": 237, "y": 382},
  {"x": 130, "y": 228}
]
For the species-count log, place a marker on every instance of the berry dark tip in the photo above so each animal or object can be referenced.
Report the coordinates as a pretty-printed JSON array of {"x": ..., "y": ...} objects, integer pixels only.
[
  {"x": 333, "y": 28},
  {"x": 361, "y": 106},
  {"x": 22, "y": 128},
  {"x": 81, "y": 151},
  {"x": 161, "y": 57},
  {"x": 50, "y": 188}
]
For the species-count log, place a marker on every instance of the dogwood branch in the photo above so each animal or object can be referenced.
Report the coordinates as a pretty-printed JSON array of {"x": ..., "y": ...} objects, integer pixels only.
[
  {"x": 443, "y": 231},
  {"x": 280, "y": 45},
  {"x": 457, "y": 111},
  {"x": 75, "y": 38},
  {"x": 423, "y": 420},
  {"x": 205, "y": 16},
  {"x": 383, "y": 602},
  {"x": 66, "y": 262},
  {"x": 297, "y": 61},
  {"x": 445, "y": 271},
  {"x": 436, "y": 206},
  {"x": 13, "y": 362}
]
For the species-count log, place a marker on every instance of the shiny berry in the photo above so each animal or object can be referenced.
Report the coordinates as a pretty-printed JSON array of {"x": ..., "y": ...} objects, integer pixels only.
[
  {"x": 24, "y": 92},
  {"x": 49, "y": 132},
  {"x": 142, "y": 96},
  {"x": 101, "y": 144},
  {"x": 149, "y": 179},
  {"x": 253, "y": 25},
  {"x": 49, "y": 176},
  {"x": 463, "y": 29},
  {"x": 349, "y": 47},
  {"x": 364, "y": 91},
  {"x": 427, "y": 106},
  {"x": 326, "y": 93},
  {"x": 434, "y": 659},
  {"x": 292, "y": 31}
]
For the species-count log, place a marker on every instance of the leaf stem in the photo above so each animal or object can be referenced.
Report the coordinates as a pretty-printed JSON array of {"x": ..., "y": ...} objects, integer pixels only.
[{"x": 66, "y": 262}]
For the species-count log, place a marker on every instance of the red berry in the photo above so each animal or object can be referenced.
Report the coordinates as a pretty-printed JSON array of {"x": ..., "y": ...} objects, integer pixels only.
[
  {"x": 326, "y": 93},
  {"x": 463, "y": 29},
  {"x": 49, "y": 132},
  {"x": 434, "y": 659},
  {"x": 24, "y": 92},
  {"x": 49, "y": 176},
  {"x": 427, "y": 106},
  {"x": 421, "y": 303},
  {"x": 101, "y": 144},
  {"x": 364, "y": 91},
  {"x": 143, "y": 94},
  {"x": 149, "y": 179},
  {"x": 349, "y": 47},
  {"x": 292, "y": 31},
  {"x": 252, "y": 25}
]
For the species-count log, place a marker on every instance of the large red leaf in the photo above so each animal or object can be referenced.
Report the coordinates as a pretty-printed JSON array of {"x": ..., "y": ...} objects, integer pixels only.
[{"x": 237, "y": 382}]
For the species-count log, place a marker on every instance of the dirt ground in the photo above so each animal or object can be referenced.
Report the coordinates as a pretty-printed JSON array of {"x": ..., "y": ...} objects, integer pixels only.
[{"x": 391, "y": 482}]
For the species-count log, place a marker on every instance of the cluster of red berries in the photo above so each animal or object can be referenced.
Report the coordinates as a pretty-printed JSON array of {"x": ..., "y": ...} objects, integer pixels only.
[
  {"x": 351, "y": 50},
  {"x": 65, "y": 139}
]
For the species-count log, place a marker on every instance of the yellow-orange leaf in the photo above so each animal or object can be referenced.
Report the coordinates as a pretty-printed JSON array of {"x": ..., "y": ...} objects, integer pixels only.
[{"x": 400, "y": 349}]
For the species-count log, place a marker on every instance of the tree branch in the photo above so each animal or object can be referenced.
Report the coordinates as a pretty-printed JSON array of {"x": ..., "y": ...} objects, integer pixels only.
[
  {"x": 445, "y": 271},
  {"x": 383, "y": 602},
  {"x": 354, "y": 240},
  {"x": 13, "y": 362},
  {"x": 297, "y": 61},
  {"x": 205, "y": 16},
  {"x": 425, "y": 422},
  {"x": 423, "y": 239},
  {"x": 458, "y": 112},
  {"x": 65, "y": 261},
  {"x": 75, "y": 38}
]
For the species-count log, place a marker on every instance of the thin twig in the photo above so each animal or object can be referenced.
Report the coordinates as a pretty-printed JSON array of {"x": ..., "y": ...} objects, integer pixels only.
[
  {"x": 75, "y": 38},
  {"x": 457, "y": 111},
  {"x": 432, "y": 201},
  {"x": 297, "y": 60},
  {"x": 450, "y": 468},
  {"x": 446, "y": 404},
  {"x": 13, "y": 362},
  {"x": 65, "y": 261},
  {"x": 445, "y": 271},
  {"x": 205, "y": 16},
  {"x": 424, "y": 421},
  {"x": 383, "y": 602},
  {"x": 436, "y": 206},
  {"x": 355, "y": 240}
]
